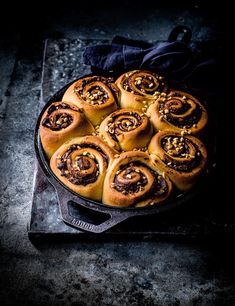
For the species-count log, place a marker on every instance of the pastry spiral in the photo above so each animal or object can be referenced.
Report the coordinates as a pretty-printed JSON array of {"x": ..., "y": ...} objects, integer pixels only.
[
  {"x": 96, "y": 95},
  {"x": 133, "y": 180},
  {"x": 178, "y": 111},
  {"x": 60, "y": 122},
  {"x": 126, "y": 129},
  {"x": 81, "y": 165},
  {"x": 139, "y": 88},
  {"x": 182, "y": 158}
]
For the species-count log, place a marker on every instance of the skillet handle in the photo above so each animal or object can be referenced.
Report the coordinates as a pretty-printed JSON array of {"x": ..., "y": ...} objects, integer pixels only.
[
  {"x": 115, "y": 216},
  {"x": 180, "y": 29}
]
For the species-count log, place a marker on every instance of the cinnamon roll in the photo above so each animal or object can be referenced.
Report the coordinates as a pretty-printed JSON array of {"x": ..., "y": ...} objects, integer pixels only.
[
  {"x": 133, "y": 180},
  {"x": 178, "y": 111},
  {"x": 81, "y": 165},
  {"x": 182, "y": 158},
  {"x": 96, "y": 95},
  {"x": 126, "y": 129},
  {"x": 139, "y": 88},
  {"x": 61, "y": 122}
]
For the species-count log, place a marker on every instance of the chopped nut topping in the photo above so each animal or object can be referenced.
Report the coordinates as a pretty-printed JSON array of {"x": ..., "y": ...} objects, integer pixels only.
[{"x": 156, "y": 93}]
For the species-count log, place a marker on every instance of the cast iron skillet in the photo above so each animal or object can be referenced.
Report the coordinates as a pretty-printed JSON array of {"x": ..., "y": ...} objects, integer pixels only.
[{"x": 65, "y": 195}]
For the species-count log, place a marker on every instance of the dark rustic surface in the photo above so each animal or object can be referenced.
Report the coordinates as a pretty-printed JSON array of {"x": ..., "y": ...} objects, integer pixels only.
[{"x": 166, "y": 271}]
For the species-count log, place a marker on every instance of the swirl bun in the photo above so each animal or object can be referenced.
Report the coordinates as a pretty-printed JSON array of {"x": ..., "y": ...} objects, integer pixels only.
[
  {"x": 133, "y": 180},
  {"x": 139, "y": 88},
  {"x": 81, "y": 165},
  {"x": 60, "y": 122},
  {"x": 126, "y": 129},
  {"x": 96, "y": 95},
  {"x": 182, "y": 158},
  {"x": 180, "y": 112}
]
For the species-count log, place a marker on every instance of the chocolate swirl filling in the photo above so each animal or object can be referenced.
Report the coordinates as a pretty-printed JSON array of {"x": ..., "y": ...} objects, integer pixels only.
[
  {"x": 81, "y": 167},
  {"x": 57, "y": 120},
  {"x": 96, "y": 90},
  {"x": 181, "y": 153},
  {"x": 180, "y": 111},
  {"x": 137, "y": 178},
  {"x": 122, "y": 123},
  {"x": 144, "y": 83}
]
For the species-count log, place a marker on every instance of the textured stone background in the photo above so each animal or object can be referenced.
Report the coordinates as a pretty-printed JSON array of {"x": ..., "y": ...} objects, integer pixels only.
[{"x": 91, "y": 273}]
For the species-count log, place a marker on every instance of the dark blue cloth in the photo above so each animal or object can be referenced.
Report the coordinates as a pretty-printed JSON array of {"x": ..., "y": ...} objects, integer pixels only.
[
  {"x": 171, "y": 58},
  {"x": 176, "y": 60}
]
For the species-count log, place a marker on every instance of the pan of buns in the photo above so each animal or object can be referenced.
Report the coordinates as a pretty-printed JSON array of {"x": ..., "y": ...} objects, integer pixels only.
[{"x": 122, "y": 146}]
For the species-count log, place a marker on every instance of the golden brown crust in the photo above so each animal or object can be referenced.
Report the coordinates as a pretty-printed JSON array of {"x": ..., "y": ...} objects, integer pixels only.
[
  {"x": 178, "y": 111},
  {"x": 126, "y": 129},
  {"x": 96, "y": 95},
  {"x": 60, "y": 122},
  {"x": 182, "y": 158},
  {"x": 133, "y": 180},
  {"x": 81, "y": 164},
  {"x": 139, "y": 88}
]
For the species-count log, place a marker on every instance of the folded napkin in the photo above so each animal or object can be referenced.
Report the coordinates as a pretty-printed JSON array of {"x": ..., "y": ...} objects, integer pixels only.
[{"x": 173, "y": 58}]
